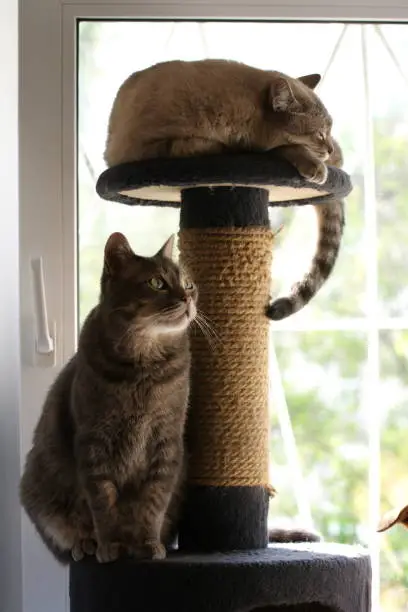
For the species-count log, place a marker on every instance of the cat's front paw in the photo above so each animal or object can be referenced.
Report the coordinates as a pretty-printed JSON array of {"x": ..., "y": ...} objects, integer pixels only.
[
  {"x": 148, "y": 549},
  {"x": 83, "y": 547},
  {"x": 313, "y": 171},
  {"x": 106, "y": 553}
]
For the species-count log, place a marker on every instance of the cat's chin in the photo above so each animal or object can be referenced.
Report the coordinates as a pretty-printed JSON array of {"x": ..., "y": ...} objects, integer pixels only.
[{"x": 173, "y": 327}]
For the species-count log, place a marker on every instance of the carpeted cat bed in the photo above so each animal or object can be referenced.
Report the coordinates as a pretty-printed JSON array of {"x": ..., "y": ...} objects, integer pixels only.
[{"x": 226, "y": 246}]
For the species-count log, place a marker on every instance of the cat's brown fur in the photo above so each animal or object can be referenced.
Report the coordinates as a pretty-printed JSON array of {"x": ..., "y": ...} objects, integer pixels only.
[
  {"x": 106, "y": 465},
  {"x": 177, "y": 109},
  {"x": 396, "y": 516},
  {"x": 330, "y": 218}
]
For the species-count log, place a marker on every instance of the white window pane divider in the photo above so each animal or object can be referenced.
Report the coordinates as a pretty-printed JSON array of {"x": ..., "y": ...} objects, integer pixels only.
[
  {"x": 277, "y": 403},
  {"x": 372, "y": 373}
]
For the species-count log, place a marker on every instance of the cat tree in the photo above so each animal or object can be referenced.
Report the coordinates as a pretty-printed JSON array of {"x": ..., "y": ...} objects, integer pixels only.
[{"x": 224, "y": 563}]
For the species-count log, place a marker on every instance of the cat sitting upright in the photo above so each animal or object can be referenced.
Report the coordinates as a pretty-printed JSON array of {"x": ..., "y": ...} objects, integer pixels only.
[
  {"x": 107, "y": 461},
  {"x": 179, "y": 109}
]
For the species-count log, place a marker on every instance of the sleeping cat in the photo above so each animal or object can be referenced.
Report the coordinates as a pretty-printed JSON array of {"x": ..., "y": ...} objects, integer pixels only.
[
  {"x": 177, "y": 109},
  {"x": 331, "y": 225},
  {"x": 107, "y": 462}
]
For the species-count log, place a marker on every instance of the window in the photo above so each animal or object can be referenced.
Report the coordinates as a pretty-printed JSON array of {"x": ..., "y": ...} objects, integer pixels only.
[{"x": 342, "y": 361}]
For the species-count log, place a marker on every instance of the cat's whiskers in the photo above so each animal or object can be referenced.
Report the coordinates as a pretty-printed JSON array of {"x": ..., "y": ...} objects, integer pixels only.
[
  {"x": 208, "y": 324},
  {"x": 207, "y": 319},
  {"x": 206, "y": 328},
  {"x": 206, "y": 335}
]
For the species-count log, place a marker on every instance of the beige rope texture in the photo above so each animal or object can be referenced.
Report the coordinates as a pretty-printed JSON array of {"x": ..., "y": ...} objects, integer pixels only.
[{"x": 228, "y": 427}]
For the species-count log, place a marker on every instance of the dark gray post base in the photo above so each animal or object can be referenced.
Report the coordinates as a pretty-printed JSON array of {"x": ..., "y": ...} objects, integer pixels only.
[{"x": 224, "y": 518}]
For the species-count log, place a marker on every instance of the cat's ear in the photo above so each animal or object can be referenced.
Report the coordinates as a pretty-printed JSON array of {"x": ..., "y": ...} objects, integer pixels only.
[
  {"x": 397, "y": 515},
  {"x": 167, "y": 248},
  {"x": 282, "y": 97},
  {"x": 310, "y": 80},
  {"x": 117, "y": 252}
]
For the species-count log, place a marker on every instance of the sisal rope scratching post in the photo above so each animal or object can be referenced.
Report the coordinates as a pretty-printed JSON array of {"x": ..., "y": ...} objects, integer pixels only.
[
  {"x": 223, "y": 563},
  {"x": 228, "y": 424},
  {"x": 232, "y": 268}
]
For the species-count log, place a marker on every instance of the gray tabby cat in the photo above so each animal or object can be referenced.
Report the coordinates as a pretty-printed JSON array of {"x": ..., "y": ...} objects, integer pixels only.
[
  {"x": 178, "y": 109},
  {"x": 106, "y": 467}
]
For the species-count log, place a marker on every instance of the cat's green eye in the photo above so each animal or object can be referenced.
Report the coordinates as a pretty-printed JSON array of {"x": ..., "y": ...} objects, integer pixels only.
[{"x": 157, "y": 283}]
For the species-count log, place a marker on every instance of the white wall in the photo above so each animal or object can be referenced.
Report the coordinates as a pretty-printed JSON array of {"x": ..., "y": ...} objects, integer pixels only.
[{"x": 10, "y": 516}]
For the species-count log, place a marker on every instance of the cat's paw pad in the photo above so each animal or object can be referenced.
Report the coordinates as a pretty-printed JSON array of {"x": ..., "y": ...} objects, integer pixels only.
[
  {"x": 149, "y": 549},
  {"x": 313, "y": 171},
  {"x": 82, "y": 548},
  {"x": 106, "y": 553}
]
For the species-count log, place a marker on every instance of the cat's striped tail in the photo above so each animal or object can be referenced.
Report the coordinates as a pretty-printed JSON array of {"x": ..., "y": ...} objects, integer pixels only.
[{"x": 331, "y": 224}]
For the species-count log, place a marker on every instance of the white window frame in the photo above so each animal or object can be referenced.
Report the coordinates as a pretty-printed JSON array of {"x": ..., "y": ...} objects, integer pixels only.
[
  {"x": 45, "y": 213},
  {"x": 10, "y": 521}
]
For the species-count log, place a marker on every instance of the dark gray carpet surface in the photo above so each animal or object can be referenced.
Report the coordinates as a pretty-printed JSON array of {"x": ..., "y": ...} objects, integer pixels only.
[
  {"x": 303, "y": 576},
  {"x": 150, "y": 180}
]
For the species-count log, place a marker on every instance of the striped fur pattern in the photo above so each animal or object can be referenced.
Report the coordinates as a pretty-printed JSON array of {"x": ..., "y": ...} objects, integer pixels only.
[
  {"x": 105, "y": 472},
  {"x": 331, "y": 219}
]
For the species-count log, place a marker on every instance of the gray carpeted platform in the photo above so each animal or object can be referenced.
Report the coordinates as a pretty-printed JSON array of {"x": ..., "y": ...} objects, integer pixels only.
[
  {"x": 303, "y": 576},
  {"x": 159, "y": 182}
]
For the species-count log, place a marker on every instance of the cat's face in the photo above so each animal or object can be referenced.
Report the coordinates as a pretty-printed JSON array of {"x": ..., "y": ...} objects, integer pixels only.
[
  {"x": 301, "y": 114},
  {"x": 146, "y": 294}
]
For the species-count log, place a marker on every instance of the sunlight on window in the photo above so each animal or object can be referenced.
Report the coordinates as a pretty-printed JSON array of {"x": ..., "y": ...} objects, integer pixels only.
[{"x": 322, "y": 351}]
